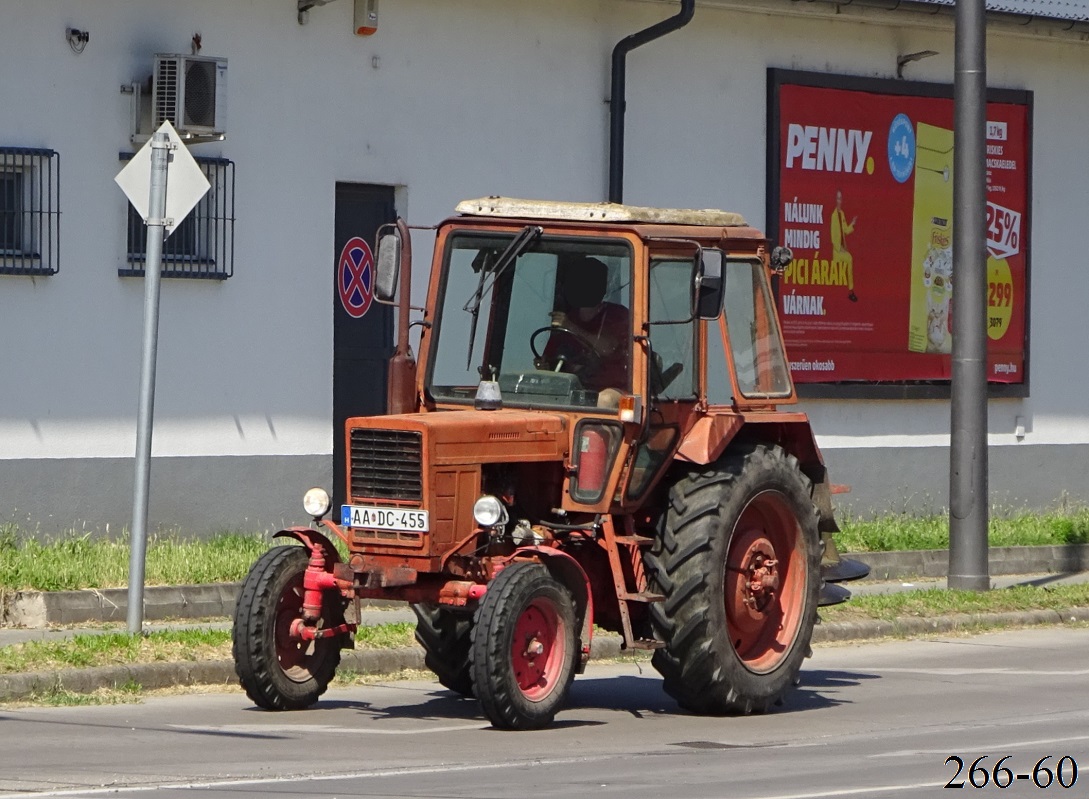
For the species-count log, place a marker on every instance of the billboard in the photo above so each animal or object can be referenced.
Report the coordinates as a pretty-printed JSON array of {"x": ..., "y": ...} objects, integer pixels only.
[{"x": 861, "y": 189}]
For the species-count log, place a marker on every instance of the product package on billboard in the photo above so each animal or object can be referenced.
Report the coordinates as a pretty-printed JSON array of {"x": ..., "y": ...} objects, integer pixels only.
[{"x": 930, "y": 324}]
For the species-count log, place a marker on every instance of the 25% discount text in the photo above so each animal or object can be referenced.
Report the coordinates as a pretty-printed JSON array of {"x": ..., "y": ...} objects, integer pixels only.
[{"x": 1048, "y": 772}]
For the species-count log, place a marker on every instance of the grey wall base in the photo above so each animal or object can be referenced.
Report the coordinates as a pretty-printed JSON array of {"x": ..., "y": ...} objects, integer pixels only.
[
  {"x": 203, "y": 495},
  {"x": 916, "y": 479},
  {"x": 192, "y": 496}
]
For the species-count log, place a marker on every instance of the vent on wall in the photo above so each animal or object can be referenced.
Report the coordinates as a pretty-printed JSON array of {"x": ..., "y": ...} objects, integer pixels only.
[{"x": 191, "y": 93}]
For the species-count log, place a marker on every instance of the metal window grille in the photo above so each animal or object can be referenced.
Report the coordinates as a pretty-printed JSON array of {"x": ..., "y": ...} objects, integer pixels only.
[
  {"x": 202, "y": 245},
  {"x": 29, "y": 211}
]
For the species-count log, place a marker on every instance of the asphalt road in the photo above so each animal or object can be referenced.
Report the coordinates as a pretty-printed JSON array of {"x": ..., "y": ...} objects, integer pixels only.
[{"x": 873, "y": 720}]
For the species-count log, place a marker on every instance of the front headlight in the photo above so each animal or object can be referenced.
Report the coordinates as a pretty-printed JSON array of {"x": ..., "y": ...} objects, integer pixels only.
[
  {"x": 489, "y": 511},
  {"x": 316, "y": 502}
]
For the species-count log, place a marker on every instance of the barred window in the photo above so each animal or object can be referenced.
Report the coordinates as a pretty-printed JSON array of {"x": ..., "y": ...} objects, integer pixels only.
[
  {"x": 29, "y": 211},
  {"x": 202, "y": 244}
]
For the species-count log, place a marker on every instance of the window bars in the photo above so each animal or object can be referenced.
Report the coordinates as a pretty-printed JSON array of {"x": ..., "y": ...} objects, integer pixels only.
[
  {"x": 29, "y": 211},
  {"x": 202, "y": 244}
]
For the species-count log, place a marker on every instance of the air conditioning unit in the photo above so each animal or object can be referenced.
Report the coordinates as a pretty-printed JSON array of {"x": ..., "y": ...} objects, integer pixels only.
[{"x": 191, "y": 92}]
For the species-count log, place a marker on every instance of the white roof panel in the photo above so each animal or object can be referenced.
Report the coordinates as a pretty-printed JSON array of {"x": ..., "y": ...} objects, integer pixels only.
[
  {"x": 1074, "y": 10},
  {"x": 596, "y": 212}
]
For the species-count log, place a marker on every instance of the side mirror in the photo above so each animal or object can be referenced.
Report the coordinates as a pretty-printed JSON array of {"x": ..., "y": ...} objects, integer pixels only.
[
  {"x": 709, "y": 283},
  {"x": 781, "y": 258},
  {"x": 388, "y": 269}
]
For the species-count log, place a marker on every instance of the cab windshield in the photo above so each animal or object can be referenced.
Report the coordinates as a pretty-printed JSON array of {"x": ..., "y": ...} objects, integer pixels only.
[{"x": 553, "y": 326}]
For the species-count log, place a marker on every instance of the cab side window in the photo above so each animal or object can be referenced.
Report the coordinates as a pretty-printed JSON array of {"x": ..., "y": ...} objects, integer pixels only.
[{"x": 673, "y": 330}]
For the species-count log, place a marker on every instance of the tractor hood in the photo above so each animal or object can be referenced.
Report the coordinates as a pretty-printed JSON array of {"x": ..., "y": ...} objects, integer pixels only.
[{"x": 470, "y": 436}]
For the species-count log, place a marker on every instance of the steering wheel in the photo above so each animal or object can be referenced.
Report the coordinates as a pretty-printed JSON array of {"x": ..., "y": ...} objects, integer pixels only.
[{"x": 586, "y": 356}]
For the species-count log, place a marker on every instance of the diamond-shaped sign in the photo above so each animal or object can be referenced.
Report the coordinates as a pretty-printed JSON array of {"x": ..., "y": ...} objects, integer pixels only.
[{"x": 185, "y": 181}]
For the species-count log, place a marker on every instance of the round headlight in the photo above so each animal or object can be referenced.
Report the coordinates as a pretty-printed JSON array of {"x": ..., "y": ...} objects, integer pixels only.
[
  {"x": 489, "y": 511},
  {"x": 316, "y": 502}
]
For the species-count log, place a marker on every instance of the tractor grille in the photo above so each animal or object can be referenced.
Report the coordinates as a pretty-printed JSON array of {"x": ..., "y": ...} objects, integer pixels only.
[{"x": 387, "y": 464}]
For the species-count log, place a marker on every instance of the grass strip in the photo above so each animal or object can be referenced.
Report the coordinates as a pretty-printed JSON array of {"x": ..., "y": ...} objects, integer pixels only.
[
  {"x": 87, "y": 650},
  {"x": 84, "y": 561},
  {"x": 942, "y": 602},
  {"x": 902, "y": 532},
  {"x": 126, "y": 694},
  {"x": 74, "y": 562}
]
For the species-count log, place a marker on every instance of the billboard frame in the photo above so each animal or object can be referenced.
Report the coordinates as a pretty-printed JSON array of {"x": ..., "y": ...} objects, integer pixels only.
[{"x": 906, "y": 389}]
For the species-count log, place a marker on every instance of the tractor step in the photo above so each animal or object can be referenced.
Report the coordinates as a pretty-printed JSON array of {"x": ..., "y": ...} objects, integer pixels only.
[
  {"x": 634, "y": 540},
  {"x": 646, "y": 643},
  {"x": 644, "y": 596}
]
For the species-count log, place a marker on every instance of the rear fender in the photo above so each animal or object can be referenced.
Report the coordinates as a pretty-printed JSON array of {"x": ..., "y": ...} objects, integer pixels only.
[
  {"x": 567, "y": 570},
  {"x": 796, "y": 437},
  {"x": 712, "y": 435}
]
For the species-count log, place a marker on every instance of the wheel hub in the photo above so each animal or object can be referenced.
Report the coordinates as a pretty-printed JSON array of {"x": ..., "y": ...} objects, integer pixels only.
[
  {"x": 294, "y": 654},
  {"x": 759, "y": 583},
  {"x": 535, "y": 653},
  {"x": 765, "y": 582}
]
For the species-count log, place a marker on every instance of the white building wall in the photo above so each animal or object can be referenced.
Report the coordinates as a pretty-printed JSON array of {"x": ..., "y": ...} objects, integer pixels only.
[{"x": 446, "y": 101}]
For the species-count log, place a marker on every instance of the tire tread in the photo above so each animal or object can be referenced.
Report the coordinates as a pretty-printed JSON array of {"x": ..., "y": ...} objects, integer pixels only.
[
  {"x": 699, "y": 666},
  {"x": 254, "y": 627}
]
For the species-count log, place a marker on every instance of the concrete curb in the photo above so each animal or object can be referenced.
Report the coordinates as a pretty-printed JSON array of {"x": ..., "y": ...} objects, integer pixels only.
[
  {"x": 14, "y": 687},
  {"x": 1003, "y": 561},
  {"x": 38, "y": 609},
  {"x": 42, "y": 608},
  {"x": 915, "y": 626}
]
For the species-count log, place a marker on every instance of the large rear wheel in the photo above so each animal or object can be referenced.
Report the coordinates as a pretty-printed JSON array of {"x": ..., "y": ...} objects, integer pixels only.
[
  {"x": 738, "y": 562},
  {"x": 523, "y": 652},
  {"x": 278, "y": 671},
  {"x": 446, "y": 638}
]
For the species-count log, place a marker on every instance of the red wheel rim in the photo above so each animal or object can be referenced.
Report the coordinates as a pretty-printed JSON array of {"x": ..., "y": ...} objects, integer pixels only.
[
  {"x": 538, "y": 649},
  {"x": 294, "y": 655},
  {"x": 765, "y": 582}
]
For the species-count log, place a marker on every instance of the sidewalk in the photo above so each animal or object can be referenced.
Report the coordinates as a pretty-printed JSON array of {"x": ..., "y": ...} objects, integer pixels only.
[{"x": 109, "y": 606}]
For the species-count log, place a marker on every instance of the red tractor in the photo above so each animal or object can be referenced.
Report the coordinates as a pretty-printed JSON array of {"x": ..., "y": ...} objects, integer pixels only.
[{"x": 594, "y": 434}]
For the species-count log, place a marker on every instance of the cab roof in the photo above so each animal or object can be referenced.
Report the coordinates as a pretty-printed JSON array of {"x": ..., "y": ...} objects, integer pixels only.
[{"x": 511, "y": 208}]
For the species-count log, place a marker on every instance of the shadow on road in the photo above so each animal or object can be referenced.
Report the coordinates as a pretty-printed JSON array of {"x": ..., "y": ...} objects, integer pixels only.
[
  {"x": 645, "y": 695},
  {"x": 639, "y": 696},
  {"x": 440, "y": 705},
  {"x": 1047, "y": 579},
  {"x": 822, "y": 689}
]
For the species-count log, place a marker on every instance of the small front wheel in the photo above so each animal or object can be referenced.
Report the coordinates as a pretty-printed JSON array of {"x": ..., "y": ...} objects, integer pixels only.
[
  {"x": 278, "y": 671},
  {"x": 523, "y": 647}
]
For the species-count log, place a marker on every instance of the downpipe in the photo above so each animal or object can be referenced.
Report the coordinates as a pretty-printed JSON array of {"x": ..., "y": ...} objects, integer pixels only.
[{"x": 618, "y": 102}]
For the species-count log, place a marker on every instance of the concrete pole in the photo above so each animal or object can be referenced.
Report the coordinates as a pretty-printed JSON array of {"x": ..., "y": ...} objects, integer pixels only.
[
  {"x": 160, "y": 157},
  {"x": 968, "y": 491}
]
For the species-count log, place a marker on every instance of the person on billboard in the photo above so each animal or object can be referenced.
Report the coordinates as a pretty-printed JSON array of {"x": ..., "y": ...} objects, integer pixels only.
[{"x": 841, "y": 228}]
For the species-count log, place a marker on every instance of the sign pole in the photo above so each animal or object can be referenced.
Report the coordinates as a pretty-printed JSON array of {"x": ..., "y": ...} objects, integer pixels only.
[
  {"x": 156, "y": 225},
  {"x": 968, "y": 467}
]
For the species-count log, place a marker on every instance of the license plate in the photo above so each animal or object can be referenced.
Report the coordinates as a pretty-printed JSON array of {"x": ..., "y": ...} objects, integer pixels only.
[{"x": 411, "y": 521}]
